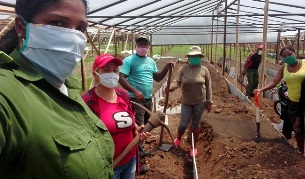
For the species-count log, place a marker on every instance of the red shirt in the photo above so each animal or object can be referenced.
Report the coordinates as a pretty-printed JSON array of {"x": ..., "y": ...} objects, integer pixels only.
[
  {"x": 120, "y": 124},
  {"x": 118, "y": 118}
]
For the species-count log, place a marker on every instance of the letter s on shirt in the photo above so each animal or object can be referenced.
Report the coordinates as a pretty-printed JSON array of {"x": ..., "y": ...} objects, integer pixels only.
[{"x": 123, "y": 120}]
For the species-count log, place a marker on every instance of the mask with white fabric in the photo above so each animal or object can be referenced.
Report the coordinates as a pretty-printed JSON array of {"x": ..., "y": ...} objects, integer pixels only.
[{"x": 54, "y": 51}]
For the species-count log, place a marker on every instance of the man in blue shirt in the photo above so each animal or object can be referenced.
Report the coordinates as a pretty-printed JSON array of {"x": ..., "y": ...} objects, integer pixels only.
[{"x": 137, "y": 75}]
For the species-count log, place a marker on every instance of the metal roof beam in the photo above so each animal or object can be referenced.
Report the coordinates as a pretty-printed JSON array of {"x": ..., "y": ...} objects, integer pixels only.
[
  {"x": 185, "y": 8},
  {"x": 277, "y": 17},
  {"x": 134, "y": 9},
  {"x": 182, "y": 26},
  {"x": 277, "y": 3},
  {"x": 154, "y": 10},
  {"x": 261, "y": 20},
  {"x": 200, "y": 15},
  {"x": 174, "y": 21},
  {"x": 105, "y": 7},
  {"x": 159, "y": 14}
]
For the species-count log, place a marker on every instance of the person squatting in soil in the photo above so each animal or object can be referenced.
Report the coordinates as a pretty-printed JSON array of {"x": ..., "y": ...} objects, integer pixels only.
[
  {"x": 195, "y": 81},
  {"x": 136, "y": 76},
  {"x": 112, "y": 106},
  {"x": 293, "y": 73},
  {"x": 46, "y": 129},
  {"x": 251, "y": 69}
]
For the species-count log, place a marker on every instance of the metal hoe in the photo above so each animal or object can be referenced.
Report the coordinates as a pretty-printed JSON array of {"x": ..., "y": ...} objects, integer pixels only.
[{"x": 155, "y": 120}]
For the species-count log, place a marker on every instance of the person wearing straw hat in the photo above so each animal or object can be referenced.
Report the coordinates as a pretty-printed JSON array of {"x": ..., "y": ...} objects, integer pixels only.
[
  {"x": 251, "y": 69},
  {"x": 112, "y": 106},
  {"x": 195, "y": 81}
]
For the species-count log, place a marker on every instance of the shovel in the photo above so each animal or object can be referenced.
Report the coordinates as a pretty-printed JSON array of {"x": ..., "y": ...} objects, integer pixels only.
[
  {"x": 165, "y": 147},
  {"x": 155, "y": 120}
]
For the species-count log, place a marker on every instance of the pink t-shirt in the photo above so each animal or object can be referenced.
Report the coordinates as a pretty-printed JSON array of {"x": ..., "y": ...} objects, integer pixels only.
[{"x": 120, "y": 123}]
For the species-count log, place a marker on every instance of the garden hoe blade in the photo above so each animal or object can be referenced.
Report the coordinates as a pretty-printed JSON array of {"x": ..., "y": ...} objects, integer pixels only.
[{"x": 165, "y": 147}]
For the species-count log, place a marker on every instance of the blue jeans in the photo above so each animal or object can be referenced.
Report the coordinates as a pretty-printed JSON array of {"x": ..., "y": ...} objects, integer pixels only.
[{"x": 126, "y": 171}]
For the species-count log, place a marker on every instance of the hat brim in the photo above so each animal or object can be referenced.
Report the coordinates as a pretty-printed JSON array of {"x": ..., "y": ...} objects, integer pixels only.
[
  {"x": 116, "y": 60},
  {"x": 194, "y": 53}
]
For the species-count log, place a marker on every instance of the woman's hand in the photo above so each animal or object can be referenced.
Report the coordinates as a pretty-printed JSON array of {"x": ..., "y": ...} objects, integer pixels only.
[
  {"x": 138, "y": 95},
  {"x": 258, "y": 91},
  {"x": 143, "y": 135},
  {"x": 167, "y": 90},
  {"x": 208, "y": 108},
  {"x": 296, "y": 125}
]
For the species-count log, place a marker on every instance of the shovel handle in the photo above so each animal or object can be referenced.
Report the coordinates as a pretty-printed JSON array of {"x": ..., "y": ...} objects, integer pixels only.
[
  {"x": 130, "y": 146},
  {"x": 165, "y": 103}
]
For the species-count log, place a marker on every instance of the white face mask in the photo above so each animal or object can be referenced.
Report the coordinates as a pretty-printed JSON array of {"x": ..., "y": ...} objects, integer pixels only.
[
  {"x": 109, "y": 80},
  {"x": 260, "y": 52},
  {"x": 53, "y": 50}
]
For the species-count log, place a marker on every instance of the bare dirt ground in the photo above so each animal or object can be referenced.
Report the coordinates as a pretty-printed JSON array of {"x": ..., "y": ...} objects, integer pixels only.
[{"x": 227, "y": 147}]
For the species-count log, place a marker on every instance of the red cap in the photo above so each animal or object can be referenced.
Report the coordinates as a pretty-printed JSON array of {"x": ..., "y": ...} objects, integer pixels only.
[
  {"x": 102, "y": 60},
  {"x": 260, "y": 46}
]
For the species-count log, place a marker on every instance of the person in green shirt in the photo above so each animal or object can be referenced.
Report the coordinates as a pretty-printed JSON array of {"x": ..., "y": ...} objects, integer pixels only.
[{"x": 46, "y": 130}]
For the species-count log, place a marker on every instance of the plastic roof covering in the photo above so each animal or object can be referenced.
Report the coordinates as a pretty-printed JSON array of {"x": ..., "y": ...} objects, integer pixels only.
[{"x": 190, "y": 21}]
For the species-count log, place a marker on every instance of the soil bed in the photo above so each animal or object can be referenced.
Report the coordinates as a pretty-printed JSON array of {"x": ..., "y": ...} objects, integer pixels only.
[{"x": 227, "y": 147}]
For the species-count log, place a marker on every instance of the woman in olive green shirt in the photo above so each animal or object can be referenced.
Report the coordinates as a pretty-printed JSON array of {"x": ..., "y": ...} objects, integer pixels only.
[{"x": 46, "y": 130}]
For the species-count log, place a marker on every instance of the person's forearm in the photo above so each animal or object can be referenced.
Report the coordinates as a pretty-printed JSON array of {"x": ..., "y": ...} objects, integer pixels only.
[
  {"x": 158, "y": 76},
  {"x": 208, "y": 88},
  {"x": 124, "y": 83},
  {"x": 270, "y": 85}
]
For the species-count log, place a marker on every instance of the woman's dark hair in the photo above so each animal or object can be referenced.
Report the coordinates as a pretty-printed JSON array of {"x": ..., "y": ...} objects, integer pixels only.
[
  {"x": 27, "y": 9},
  {"x": 289, "y": 47}
]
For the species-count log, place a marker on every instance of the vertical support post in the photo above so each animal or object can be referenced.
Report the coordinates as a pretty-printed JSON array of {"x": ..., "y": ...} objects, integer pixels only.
[
  {"x": 224, "y": 40},
  {"x": 98, "y": 41},
  {"x": 126, "y": 42},
  {"x": 151, "y": 47},
  {"x": 277, "y": 52},
  {"x": 109, "y": 41},
  {"x": 298, "y": 42},
  {"x": 265, "y": 29},
  {"x": 216, "y": 35},
  {"x": 212, "y": 38},
  {"x": 115, "y": 45},
  {"x": 123, "y": 40},
  {"x": 237, "y": 48},
  {"x": 132, "y": 42}
]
